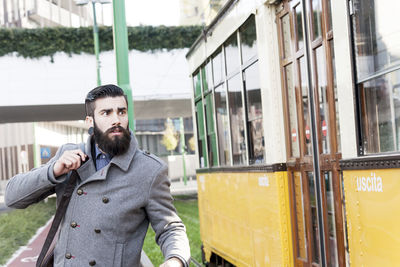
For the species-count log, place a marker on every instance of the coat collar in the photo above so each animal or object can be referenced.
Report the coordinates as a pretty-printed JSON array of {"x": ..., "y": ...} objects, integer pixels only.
[{"x": 87, "y": 171}]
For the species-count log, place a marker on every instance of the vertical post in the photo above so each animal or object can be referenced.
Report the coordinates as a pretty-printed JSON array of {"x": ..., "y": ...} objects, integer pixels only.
[
  {"x": 36, "y": 152},
  {"x": 182, "y": 131},
  {"x": 121, "y": 55},
  {"x": 314, "y": 133},
  {"x": 96, "y": 43}
]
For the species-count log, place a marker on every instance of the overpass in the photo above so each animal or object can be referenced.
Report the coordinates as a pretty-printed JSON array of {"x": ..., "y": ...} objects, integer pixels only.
[{"x": 41, "y": 90}]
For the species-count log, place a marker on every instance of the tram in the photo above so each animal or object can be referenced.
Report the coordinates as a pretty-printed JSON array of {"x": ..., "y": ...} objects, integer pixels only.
[{"x": 297, "y": 110}]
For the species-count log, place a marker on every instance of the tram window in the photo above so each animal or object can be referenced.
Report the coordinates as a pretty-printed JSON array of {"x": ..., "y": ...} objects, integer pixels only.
[
  {"x": 339, "y": 145},
  {"x": 323, "y": 99},
  {"x": 207, "y": 80},
  {"x": 377, "y": 48},
  {"x": 232, "y": 55},
  {"x": 305, "y": 103},
  {"x": 201, "y": 135},
  {"x": 237, "y": 121},
  {"x": 287, "y": 48},
  {"x": 254, "y": 114},
  {"x": 248, "y": 39},
  {"x": 299, "y": 26},
  {"x": 301, "y": 239},
  {"x": 222, "y": 125},
  {"x": 314, "y": 219},
  {"x": 197, "y": 85},
  {"x": 291, "y": 95},
  {"x": 380, "y": 111},
  {"x": 317, "y": 19},
  {"x": 377, "y": 36},
  {"x": 218, "y": 68},
  {"x": 211, "y": 135}
]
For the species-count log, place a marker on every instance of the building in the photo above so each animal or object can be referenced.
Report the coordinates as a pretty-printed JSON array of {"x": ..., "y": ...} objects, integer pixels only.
[
  {"x": 199, "y": 12},
  {"x": 47, "y": 13}
]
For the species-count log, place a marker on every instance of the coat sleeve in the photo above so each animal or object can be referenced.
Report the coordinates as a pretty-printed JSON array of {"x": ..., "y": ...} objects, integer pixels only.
[
  {"x": 33, "y": 186},
  {"x": 170, "y": 231}
]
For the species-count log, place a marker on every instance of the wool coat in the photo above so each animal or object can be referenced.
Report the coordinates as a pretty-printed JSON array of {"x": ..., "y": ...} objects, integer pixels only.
[{"x": 110, "y": 210}]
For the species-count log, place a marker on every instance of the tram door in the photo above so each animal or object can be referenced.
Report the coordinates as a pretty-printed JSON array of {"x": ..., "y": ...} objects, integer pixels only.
[{"x": 310, "y": 106}]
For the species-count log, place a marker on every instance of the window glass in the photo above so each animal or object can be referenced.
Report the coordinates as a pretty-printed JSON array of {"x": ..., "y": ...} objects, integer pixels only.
[
  {"x": 218, "y": 68},
  {"x": 204, "y": 79},
  {"x": 339, "y": 145},
  {"x": 222, "y": 125},
  {"x": 314, "y": 218},
  {"x": 237, "y": 121},
  {"x": 299, "y": 26},
  {"x": 330, "y": 202},
  {"x": 232, "y": 55},
  {"x": 323, "y": 100},
  {"x": 209, "y": 75},
  {"x": 300, "y": 218},
  {"x": 254, "y": 114},
  {"x": 287, "y": 49},
  {"x": 248, "y": 39},
  {"x": 377, "y": 36},
  {"x": 201, "y": 135},
  {"x": 211, "y": 136},
  {"x": 197, "y": 84},
  {"x": 291, "y": 95},
  {"x": 380, "y": 113},
  {"x": 317, "y": 19},
  {"x": 305, "y": 103}
]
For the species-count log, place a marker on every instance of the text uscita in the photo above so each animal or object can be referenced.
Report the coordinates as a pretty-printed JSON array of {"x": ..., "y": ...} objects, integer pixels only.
[{"x": 369, "y": 184}]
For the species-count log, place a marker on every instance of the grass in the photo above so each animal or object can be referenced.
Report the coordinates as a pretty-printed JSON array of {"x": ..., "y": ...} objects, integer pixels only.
[
  {"x": 18, "y": 226},
  {"x": 188, "y": 212}
]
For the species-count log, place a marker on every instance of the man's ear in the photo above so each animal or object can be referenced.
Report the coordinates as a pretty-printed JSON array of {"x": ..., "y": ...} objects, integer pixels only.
[{"x": 89, "y": 121}]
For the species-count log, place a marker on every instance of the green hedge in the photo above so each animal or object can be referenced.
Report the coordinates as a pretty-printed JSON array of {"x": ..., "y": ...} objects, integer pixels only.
[{"x": 35, "y": 43}]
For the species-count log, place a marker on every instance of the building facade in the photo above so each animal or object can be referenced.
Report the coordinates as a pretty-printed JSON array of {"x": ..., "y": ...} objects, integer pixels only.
[{"x": 47, "y": 13}]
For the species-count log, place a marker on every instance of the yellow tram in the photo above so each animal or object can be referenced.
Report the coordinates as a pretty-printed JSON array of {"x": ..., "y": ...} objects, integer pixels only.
[{"x": 297, "y": 108}]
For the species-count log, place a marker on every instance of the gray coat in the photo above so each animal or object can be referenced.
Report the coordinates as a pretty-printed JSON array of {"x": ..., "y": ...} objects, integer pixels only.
[{"x": 110, "y": 210}]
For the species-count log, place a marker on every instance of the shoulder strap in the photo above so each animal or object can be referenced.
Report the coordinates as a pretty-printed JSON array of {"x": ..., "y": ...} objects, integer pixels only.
[{"x": 62, "y": 208}]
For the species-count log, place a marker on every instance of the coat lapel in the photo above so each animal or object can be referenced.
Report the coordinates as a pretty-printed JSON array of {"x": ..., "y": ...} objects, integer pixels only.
[{"x": 88, "y": 172}]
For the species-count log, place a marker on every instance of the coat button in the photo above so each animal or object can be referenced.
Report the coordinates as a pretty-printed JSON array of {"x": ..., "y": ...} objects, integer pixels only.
[
  {"x": 105, "y": 200},
  {"x": 79, "y": 192},
  {"x": 92, "y": 263},
  {"x": 73, "y": 224},
  {"x": 68, "y": 255},
  {"x": 97, "y": 231}
]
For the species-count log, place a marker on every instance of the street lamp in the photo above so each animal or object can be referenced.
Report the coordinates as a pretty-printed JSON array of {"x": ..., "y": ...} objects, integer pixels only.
[{"x": 95, "y": 31}]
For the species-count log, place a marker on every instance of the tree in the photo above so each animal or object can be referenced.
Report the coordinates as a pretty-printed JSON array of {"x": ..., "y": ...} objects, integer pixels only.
[{"x": 170, "y": 136}]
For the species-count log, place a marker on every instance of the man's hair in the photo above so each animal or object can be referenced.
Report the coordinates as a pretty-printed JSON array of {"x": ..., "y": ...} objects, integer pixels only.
[{"x": 108, "y": 90}]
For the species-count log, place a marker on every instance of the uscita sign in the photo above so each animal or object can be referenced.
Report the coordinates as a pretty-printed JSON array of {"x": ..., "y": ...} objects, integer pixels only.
[{"x": 369, "y": 184}]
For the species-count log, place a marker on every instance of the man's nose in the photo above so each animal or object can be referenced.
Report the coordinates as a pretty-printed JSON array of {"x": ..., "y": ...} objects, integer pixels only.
[{"x": 116, "y": 120}]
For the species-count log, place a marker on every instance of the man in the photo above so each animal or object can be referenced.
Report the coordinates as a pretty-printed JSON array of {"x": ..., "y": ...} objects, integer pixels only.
[{"x": 121, "y": 190}]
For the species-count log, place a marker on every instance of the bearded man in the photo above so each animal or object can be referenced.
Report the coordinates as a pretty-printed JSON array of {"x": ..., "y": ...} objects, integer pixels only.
[{"x": 121, "y": 189}]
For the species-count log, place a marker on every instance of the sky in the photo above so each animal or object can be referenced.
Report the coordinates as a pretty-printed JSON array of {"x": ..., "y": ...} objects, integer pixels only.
[{"x": 147, "y": 12}]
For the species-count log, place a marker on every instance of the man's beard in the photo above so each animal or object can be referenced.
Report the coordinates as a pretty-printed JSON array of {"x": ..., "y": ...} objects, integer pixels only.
[{"x": 115, "y": 145}]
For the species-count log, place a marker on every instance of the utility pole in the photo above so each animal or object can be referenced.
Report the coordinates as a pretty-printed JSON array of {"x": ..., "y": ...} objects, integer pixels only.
[
  {"x": 96, "y": 43},
  {"x": 121, "y": 54},
  {"x": 182, "y": 134}
]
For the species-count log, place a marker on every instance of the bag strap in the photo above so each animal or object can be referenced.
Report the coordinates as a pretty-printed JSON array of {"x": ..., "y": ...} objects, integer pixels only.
[{"x": 61, "y": 210}]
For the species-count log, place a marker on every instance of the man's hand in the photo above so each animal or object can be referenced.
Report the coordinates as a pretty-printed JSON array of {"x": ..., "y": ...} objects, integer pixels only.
[
  {"x": 172, "y": 262},
  {"x": 70, "y": 160}
]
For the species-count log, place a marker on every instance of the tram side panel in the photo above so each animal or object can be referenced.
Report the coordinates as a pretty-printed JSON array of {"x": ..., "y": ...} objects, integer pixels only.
[
  {"x": 245, "y": 217},
  {"x": 373, "y": 213}
]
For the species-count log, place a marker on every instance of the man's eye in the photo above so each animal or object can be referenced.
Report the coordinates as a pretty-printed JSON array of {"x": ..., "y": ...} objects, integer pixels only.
[
  {"x": 105, "y": 113},
  {"x": 122, "y": 112}
]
